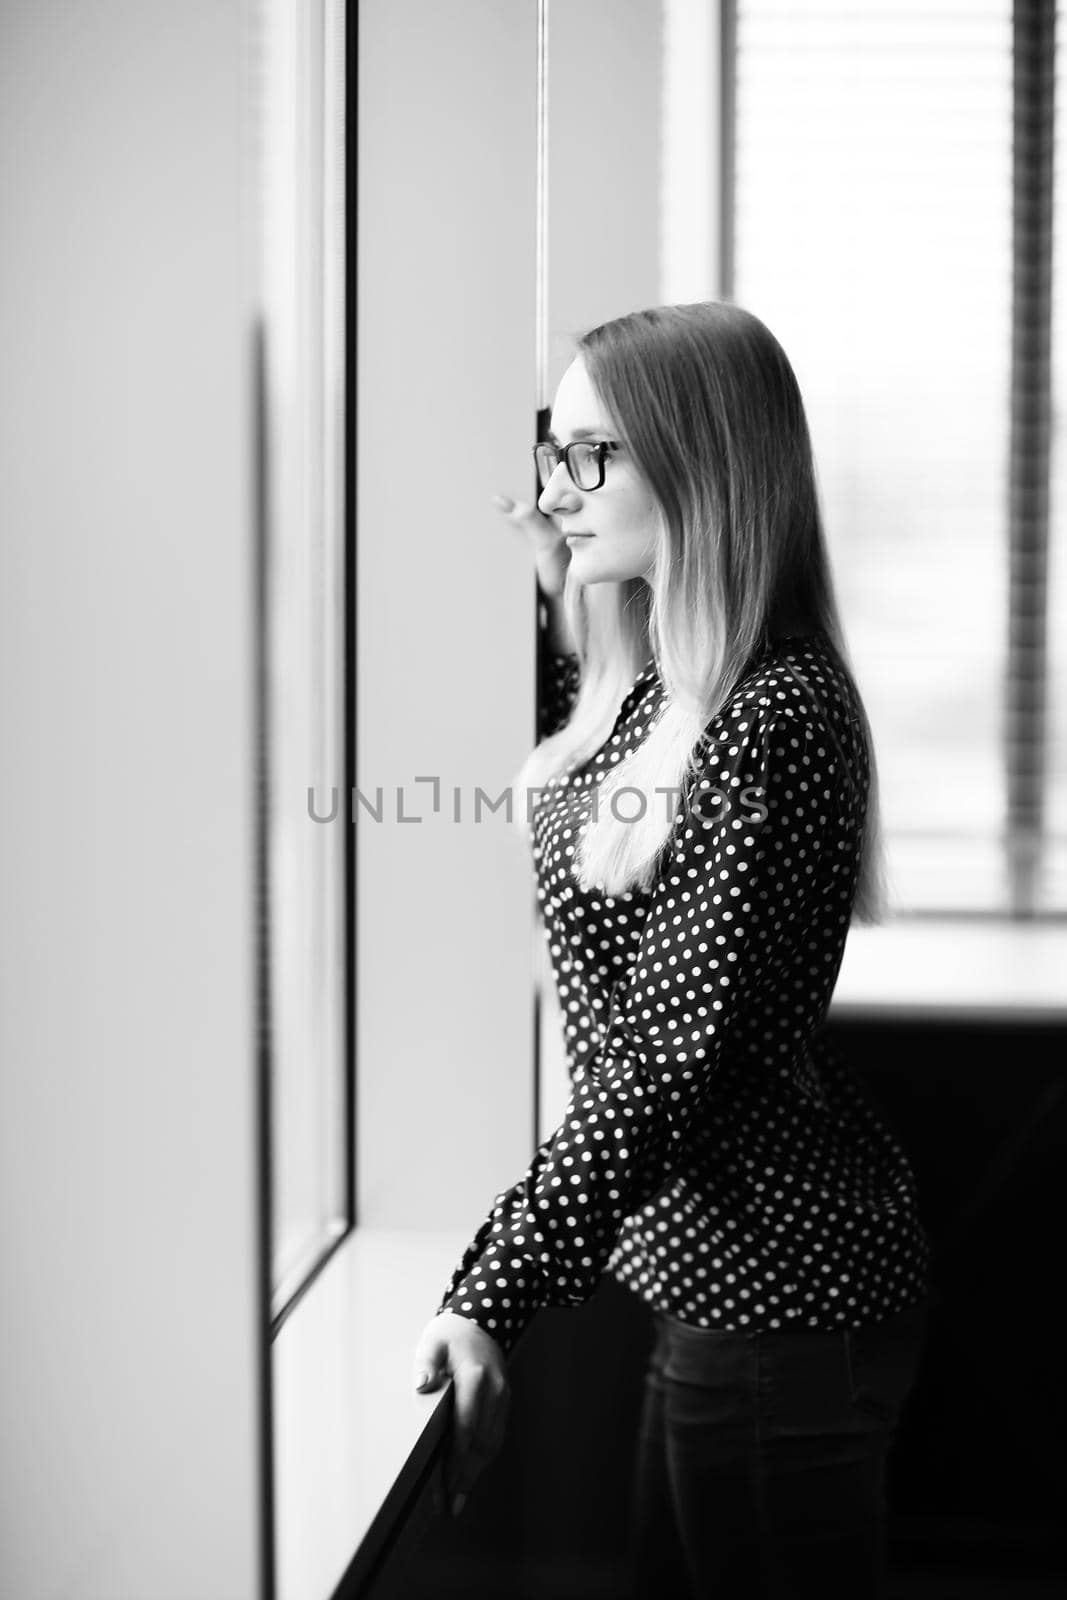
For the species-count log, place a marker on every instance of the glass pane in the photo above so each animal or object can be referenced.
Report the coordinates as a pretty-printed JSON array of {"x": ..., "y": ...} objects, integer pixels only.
[
  {"x": 585, "y": 466},
  {"x": 546, "y": 463},
  {"x": 303, "y": 247}
]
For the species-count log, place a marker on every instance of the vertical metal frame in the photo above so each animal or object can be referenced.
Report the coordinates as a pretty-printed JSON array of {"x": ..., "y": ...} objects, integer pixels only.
[
  {"x": 350, "y": 624},
  {"x": 541, "y": 420},
  {"x": 261, "y": 924}
]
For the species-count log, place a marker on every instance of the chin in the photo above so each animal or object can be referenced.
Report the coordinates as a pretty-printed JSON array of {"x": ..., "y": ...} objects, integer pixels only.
[
  {"x": 600, "y": 572},
  {"x": 590, "y": 572},
  {"x": 595, "y": 566}
]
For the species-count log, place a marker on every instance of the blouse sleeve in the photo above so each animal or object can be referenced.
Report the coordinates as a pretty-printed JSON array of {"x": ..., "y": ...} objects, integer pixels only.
[
  {"x": 560, "y": 678},
  {"x": 724, "y": 902}
]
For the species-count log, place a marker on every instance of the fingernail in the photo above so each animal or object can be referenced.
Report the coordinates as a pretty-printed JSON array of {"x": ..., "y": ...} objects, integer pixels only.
[
  {"x": 458, "y": 1502},
  {"x": 423, "y": 1378}
]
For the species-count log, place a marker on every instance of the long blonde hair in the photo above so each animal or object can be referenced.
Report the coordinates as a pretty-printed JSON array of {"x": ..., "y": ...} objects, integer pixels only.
[{"x": 707, "y": 404}]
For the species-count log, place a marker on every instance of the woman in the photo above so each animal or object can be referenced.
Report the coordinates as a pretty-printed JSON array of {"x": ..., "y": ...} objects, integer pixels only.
[{"x": 704, "y": 828}]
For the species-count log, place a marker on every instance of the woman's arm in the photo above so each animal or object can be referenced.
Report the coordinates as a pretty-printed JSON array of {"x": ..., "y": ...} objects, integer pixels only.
[
  {"x": 719, "y": 913},
  {"x": 558, "y": 636},
  {"x": 557, "y": 691},
  {"x": 558, "y": 687}
]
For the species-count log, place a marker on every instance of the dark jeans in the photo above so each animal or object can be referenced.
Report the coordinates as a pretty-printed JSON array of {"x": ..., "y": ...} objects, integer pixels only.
[{"x": 762, "y": 1459}]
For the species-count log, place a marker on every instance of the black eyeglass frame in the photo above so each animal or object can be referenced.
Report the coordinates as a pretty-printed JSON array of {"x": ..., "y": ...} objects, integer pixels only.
[{"x": 562, "y": 452}]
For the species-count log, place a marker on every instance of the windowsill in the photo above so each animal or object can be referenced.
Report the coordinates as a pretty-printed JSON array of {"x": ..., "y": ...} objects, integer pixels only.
[
  {"x": 352, "y": 1437},
  {"x": 955, "y": 970}
]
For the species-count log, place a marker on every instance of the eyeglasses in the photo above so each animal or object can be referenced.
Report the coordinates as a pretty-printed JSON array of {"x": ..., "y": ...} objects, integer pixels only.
[{"x": 584, "y": 460}]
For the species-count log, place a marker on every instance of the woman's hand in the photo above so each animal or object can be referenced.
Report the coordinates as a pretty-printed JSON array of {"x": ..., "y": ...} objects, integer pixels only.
[
  {"x": 454, "y": 1346},
  {"x": 550, "y": 552}
]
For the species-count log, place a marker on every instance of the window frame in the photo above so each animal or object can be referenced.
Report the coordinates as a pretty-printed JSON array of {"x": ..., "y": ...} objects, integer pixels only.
[{"x": 286, "y": 1295}]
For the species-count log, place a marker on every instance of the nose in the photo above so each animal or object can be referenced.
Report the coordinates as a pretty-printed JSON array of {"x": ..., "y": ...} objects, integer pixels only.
[{"x": 559, "y": 493}]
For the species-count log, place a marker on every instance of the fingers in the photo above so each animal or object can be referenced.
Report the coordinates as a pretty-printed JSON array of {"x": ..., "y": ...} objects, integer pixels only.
[
  {"x": 453, "y": 1347},
  {"x": 522, "y": 511},
  {"x": 431, "y": 1364}
]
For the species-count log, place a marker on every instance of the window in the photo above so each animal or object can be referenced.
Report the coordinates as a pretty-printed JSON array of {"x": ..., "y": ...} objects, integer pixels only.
[
  {"x": 305, "y": 323},
  {"x": 872, "y": 228}
]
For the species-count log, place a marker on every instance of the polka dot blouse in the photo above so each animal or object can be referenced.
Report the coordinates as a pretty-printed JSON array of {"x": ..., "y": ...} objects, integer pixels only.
[{"x": 716, "y": 1157}]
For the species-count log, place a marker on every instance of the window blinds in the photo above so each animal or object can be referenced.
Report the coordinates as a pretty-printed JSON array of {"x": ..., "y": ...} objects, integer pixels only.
[
  {"x": 1032, "y": 197},
  {"x": 1052, "y": 883},
  {"x": 872, "y": 230}
]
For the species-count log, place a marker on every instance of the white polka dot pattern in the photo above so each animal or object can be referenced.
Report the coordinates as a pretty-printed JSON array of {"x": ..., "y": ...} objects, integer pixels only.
[{"x": 715, "y": 1156}]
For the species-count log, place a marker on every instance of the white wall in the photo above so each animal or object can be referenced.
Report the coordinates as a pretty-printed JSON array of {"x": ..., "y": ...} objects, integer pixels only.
[
  {"x": 129, "y": 1362},
  {"x": 446, "y": 413},
  {"x": 605, "y": 130}
]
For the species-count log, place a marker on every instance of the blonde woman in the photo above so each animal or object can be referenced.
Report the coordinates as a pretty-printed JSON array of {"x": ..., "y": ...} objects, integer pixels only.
[{"x": 704, "y": 829}]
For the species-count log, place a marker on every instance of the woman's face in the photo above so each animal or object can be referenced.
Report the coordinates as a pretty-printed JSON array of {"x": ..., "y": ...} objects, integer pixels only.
[{"x": 611, "y": 531}]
